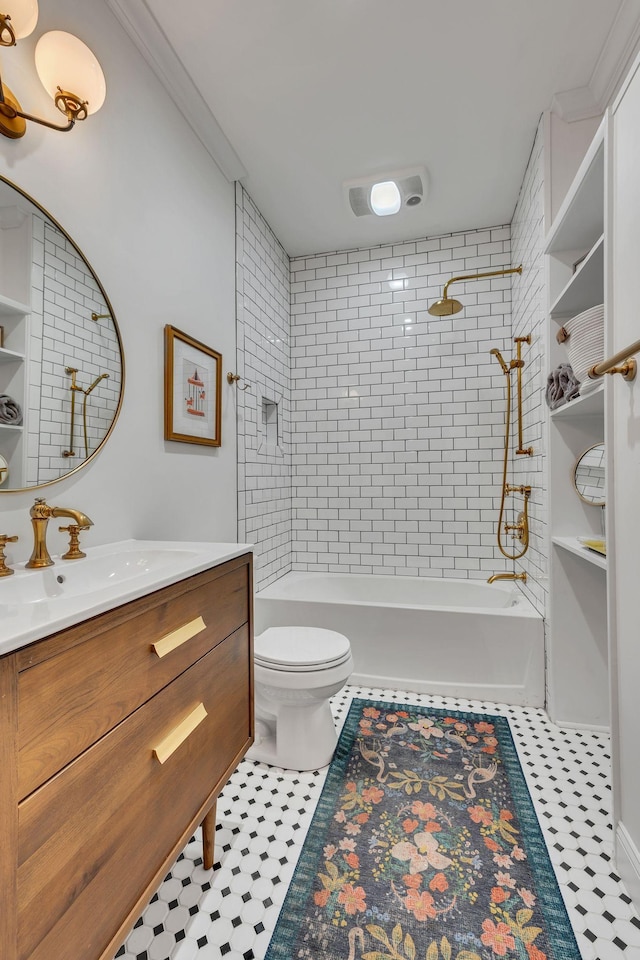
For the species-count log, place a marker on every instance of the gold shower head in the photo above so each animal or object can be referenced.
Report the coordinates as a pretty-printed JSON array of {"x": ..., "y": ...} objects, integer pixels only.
[
  {"x": 448, "y": 306},
  {"x": 445, "y": 307}
]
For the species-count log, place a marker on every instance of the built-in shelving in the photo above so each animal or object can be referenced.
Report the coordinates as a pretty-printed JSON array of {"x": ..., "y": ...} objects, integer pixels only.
[
  {"x": 13, "y": 308},
  {"x": 10, "y": 356},
  {"x": 584, "y": 288},
  {"x": 581, "y": 214},
  {"x": 573, "y": 545},
  {"x": 16, "y": 262},
  {"x": 576, "y": 251},
  {"x": 590, "y": 405}
]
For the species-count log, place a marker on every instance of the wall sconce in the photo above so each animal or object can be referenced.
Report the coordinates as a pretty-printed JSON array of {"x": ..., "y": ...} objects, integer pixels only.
[{"x": 68, "y": 70}]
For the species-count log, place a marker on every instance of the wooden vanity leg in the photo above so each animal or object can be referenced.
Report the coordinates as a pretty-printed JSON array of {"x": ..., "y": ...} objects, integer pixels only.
[{"x": 208, "y": 837}]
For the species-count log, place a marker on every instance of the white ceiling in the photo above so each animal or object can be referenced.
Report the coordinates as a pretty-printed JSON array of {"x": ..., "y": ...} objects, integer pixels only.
[{"x": 310, "y": 93}]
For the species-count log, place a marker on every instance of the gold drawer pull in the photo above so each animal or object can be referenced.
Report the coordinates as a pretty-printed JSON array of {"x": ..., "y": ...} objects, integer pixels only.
[
  {"x": 179, "y": 734},
  {"x": 172, "y": 640}
]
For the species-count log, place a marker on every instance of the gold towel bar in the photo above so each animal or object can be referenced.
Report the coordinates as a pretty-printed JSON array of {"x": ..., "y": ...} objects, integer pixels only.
[
  {"x": 179, "y": 734},
  {"x": 177, "y": 637},
  {"x": 628, "y": 369}
]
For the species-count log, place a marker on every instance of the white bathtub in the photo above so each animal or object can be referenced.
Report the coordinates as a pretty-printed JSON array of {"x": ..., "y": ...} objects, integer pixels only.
[{"x": 448, "y": 637}]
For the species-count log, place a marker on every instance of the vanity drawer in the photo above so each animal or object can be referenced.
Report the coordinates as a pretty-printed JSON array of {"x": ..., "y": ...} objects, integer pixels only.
[
  {"x": 100, "y": 831},
  {"x": 104, "y": 669}
]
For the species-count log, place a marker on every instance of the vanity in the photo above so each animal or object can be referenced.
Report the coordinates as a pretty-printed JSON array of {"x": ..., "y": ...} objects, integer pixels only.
[{"x": 125, "y": 704}]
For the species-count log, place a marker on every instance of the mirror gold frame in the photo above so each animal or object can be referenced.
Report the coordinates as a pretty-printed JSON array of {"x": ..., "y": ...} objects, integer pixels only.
[
  {"x": 112, "y": 316},
  {"x": 592, "y": 503}
]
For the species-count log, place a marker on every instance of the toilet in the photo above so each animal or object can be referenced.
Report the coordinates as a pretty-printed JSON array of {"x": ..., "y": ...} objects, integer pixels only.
[{"x": 297, "y": 670}]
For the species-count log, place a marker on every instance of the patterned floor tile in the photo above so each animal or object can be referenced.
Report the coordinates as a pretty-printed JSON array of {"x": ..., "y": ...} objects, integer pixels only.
[{"x": 264, "y": 814}]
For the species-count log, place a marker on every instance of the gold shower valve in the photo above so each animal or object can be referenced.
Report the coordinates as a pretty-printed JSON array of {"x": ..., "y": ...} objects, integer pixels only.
[{"x": 520, "y": 528}]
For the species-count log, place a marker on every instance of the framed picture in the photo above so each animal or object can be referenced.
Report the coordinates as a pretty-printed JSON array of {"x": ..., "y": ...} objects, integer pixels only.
[{"x": 192, "y": 390}]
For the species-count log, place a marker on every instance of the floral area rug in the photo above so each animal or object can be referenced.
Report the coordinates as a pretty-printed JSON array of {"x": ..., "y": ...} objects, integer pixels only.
[{"x": 424, "y": 846}]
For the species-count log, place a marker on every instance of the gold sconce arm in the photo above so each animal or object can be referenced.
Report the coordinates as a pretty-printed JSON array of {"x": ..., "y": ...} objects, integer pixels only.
[
  {"x": 628, "y": 369},
  {"x": 7, "y": 35},
  {"x": 73, "y": 107}
]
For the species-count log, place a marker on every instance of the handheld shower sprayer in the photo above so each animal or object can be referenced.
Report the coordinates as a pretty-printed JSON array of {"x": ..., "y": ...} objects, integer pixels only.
[
  {"x": 103, "y": 376},
  {"x": 496, "y": 353}
]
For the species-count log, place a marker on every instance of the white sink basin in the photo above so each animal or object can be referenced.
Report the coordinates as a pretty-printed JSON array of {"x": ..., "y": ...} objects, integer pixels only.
[
  {"x": 37, "y": 603},
  {"x": 91, "y": 575}
]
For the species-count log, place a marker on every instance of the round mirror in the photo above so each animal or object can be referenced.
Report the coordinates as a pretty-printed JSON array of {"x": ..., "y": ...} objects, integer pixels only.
[
  {"x": 61, "y": 359},
  {"x": 588, "y": 476}
]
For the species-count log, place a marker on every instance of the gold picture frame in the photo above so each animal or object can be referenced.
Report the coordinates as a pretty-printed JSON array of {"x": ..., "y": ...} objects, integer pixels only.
[{"x": 192, "y": 390}]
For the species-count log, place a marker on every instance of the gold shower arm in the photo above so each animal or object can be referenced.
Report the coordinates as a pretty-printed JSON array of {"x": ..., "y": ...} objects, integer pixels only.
[
  {"x": 628, "y": 369},
  {"x": 480, "y": 276}
]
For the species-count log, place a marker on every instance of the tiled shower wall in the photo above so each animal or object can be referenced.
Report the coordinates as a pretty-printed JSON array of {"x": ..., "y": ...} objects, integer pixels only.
[
  {"x": 264, "y": 417},
  {"x": 398, "y": 417},
  {"x": 527, "y": 239},
  {"x": 389, "y": 454}
]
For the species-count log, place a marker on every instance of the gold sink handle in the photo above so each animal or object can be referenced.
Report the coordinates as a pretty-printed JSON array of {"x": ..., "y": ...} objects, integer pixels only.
[
  {"x": 5, "y": 571},
  {"x": 74, "y": 552}
]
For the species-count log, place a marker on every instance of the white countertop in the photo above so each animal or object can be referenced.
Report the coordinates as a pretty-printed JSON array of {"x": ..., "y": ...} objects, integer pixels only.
[{"x": 36, "y": 603}]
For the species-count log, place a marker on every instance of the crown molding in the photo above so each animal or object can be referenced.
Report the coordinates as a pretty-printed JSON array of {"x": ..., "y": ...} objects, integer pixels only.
[
  {"x": 616, "y": 56},
  {"x": 576, "y": 104},
  {"x": 142, "y": 27}
]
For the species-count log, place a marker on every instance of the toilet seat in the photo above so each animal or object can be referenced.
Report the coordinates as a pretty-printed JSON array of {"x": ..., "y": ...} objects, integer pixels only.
[{"x": 300, "y": 649}]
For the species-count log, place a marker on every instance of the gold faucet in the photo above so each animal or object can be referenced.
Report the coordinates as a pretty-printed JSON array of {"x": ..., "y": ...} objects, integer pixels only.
[
  {"x": 40, "y": 514},
  {"x": 508, "y": 576}
]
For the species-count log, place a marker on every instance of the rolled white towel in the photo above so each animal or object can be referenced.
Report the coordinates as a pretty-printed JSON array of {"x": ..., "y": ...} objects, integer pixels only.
[{"x": 10, "y": 410}]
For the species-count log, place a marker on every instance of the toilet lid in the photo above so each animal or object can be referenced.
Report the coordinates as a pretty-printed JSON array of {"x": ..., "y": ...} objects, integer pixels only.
[{"x": 298, "y": 647}]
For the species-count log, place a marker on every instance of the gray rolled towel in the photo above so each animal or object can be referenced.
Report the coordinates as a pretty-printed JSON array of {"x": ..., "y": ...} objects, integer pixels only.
[
  {"x": 554, "y": 395},
  {"x": 561, "y": 386},
  {"x": 10, "y": 410},
  {"x": 570, "y": 386}
]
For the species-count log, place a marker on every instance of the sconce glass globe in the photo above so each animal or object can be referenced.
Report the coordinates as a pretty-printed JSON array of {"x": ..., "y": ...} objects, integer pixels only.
[
  {"x": 64, "y": 61},
  {"x": 24, "y": 16}
]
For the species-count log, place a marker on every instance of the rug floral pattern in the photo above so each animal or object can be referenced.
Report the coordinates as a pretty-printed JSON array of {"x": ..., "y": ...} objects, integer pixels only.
[{"x": 425, "y": 846}]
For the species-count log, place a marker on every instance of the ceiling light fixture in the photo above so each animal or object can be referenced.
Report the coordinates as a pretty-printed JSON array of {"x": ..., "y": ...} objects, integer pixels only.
[
  {"x": 68, "y": 70},
  {"x": 385, "y": 198},
  {"x": 384, "y": 195}
]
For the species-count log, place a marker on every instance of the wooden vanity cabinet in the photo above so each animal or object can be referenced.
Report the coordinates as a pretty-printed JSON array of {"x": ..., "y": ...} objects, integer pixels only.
[{"x": 116, "y": 737}]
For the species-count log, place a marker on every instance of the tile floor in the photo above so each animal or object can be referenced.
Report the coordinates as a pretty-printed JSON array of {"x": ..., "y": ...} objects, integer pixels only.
[{"x": 264, "y": 813}]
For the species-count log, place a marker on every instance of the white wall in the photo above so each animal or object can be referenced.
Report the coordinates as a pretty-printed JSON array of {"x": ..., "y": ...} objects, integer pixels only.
[
  {"x": 399, "y": 416},
  {"x": 155, "y": 218}
]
